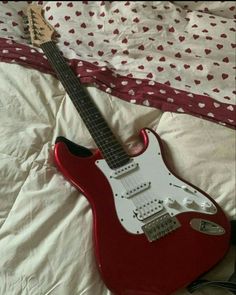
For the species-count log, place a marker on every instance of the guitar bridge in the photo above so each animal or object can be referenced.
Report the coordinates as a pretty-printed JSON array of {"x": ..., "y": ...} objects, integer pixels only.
[{"x": 160, "y": 227}]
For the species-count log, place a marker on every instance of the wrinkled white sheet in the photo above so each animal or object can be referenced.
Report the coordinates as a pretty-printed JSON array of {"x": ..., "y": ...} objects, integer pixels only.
[{"x": 46, "y": 225}]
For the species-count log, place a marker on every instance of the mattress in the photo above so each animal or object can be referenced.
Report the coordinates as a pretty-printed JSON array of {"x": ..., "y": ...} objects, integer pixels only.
[{"x": 46, "y": 224}]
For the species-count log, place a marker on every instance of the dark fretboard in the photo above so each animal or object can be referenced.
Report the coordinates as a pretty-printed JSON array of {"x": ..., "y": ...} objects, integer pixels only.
[{"x": 109, "y": 146}]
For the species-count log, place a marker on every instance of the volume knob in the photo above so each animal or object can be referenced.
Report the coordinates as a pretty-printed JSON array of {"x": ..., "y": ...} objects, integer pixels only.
[{"x": 189, "y": 202}]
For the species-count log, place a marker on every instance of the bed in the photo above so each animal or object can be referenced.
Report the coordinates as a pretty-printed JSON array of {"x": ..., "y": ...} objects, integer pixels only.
[{"x": 182, "y": 87}]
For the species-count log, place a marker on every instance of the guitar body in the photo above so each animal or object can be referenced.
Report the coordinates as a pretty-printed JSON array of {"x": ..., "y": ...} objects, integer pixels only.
[{"x": 131, "y": 260}]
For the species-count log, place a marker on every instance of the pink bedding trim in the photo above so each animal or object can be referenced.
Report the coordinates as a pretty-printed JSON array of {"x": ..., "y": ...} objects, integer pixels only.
[{"x": 140, "y": 91}]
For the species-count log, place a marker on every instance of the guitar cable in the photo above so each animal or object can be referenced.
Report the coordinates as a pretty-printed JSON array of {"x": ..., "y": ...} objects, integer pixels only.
[{"x": 229, "y": 285}]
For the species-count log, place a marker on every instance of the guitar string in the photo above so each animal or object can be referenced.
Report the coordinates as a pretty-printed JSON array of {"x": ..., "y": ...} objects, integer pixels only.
[
  {"x": 128, "y": 184},
  {"x": 137, "y": 200},
  {"x": 117, "y": 151},
  {"x": 72, "y": 85},
  {"x": 79, "y": 105}
]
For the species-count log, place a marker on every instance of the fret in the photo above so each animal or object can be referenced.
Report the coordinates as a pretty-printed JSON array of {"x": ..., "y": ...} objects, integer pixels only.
[
  {"x": 111, "y": 149},
  {"x": 103, "y": 131}
]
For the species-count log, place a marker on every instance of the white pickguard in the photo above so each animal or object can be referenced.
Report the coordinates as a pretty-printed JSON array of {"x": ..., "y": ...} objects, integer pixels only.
[{"x": 147, "y": 190}]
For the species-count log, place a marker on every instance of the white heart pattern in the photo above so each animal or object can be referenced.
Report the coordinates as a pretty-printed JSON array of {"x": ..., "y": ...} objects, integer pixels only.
[{"x": 201, "y": 105}]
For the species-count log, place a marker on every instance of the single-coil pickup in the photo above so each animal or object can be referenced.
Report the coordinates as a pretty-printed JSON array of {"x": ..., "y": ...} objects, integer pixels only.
[
  {"x": 137, "y": 189},
  {"x": 148, "y": 209},
  {"x": 124, "y": 169}
]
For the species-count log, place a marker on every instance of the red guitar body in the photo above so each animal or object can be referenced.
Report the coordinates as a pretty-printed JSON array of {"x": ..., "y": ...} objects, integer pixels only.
[{"x": 129, "y": 264}]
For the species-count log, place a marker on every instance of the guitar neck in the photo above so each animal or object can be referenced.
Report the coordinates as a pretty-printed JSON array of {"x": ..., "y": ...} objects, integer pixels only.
[{"x": 104, "y": 138}]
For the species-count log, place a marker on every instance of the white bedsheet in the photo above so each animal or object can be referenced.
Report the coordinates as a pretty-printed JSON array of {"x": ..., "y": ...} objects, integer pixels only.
[{"x": 46, "y": 225}]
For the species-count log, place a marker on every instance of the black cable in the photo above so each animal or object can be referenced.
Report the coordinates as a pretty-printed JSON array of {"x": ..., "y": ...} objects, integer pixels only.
[{"x": 230, "y": 285}]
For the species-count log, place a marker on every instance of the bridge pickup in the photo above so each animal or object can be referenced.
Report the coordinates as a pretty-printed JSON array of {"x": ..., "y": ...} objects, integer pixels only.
[
  {"x": 124, "y": 169},
  {"x": 137, "y": 189},
  {"x": 160, "y": 227}
]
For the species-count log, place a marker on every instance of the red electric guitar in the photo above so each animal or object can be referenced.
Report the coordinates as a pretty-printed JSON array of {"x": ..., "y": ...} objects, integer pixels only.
[{"x": 153, "y": 232}]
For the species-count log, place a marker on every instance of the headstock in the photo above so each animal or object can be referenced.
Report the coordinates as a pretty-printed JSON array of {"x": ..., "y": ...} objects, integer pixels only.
[{"x": 40, "y": 31}]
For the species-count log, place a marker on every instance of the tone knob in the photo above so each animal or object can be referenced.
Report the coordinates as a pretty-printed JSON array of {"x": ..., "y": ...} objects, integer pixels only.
[
  {"x": 207, "y": 206},
  {"x": 170, "y": 202}
]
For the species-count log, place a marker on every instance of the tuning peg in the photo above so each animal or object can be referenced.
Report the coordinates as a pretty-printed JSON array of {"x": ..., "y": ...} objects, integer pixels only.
[
  {"x": 27, "y": 39},
  {"x": 25, "y": 19},
  {"x": 26, "y": 29}
]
